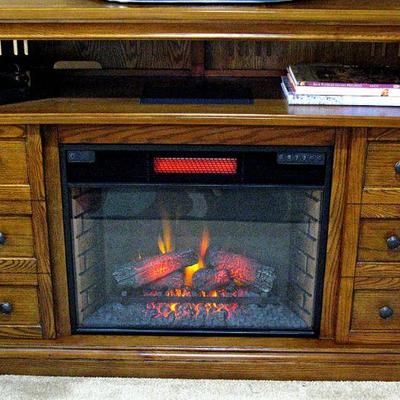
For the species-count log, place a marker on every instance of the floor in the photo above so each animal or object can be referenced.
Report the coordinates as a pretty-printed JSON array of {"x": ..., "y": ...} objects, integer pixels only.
[{"x": 50, "y": 388}]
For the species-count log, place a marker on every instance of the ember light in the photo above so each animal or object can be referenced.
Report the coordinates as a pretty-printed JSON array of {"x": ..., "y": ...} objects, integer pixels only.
[{"x": 197, "y": 165}]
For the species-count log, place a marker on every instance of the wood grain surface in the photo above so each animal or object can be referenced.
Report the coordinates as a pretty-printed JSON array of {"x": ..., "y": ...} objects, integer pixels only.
[
  {"x": 381, "y": 161},
  {"x": 122, "y": 111},
  {"x": 24, "y": 300},
  {"x": 366, "y": 310},
  {"x": 380, "y": 211},
  {"x": 342, "y": 10},
  {"x": 13, "y": 164},
  {"x": 56, "y": 231},
  {"x": 373, "y": 236},
  {"x": 336, "y": 220},
  {"x": 378, "y": 269},
  {"x": 383, "y": 135},
  {"x": 229, "y": 135},
  {"x": 19, "y": 236},
  {"x": 18, "y": 265}
]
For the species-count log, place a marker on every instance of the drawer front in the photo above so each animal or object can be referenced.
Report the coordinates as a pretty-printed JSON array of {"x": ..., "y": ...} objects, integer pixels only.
[
  {"x": 372, "y": 309},
  {"x": 374, "y": 237},
  {"x": 17, "y": 234},
  {"x": 381, "y": 170},
  {"x": 23, "y": 301},
  {"x": 13, "y": 163}
]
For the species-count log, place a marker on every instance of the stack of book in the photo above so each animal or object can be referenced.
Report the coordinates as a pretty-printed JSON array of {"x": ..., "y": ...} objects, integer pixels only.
[{"x": 322, "y": 84}]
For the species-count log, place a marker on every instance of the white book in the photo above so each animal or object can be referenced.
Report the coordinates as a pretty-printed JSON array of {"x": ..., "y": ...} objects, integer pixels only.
[
  {"x": 341, "y": 90},
  {"x": 296, "y": 99}
]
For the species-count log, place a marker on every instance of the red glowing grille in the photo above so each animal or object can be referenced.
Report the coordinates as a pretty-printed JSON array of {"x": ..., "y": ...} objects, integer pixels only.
[{"x": 196, "y": 165}]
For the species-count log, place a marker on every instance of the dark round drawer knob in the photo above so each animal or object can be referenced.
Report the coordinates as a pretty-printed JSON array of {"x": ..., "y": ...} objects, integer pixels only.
[
  {"x": 6, "y": 308},
  {"x": 393, "y": 242},
  {"x": 397, "y": 167},
  {"x": 2, "y": 238},
  {"x": 385, "y": 312}
]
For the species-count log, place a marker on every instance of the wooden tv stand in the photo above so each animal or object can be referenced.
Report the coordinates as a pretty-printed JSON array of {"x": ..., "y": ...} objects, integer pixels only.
[{"x": 362, "y": 275}]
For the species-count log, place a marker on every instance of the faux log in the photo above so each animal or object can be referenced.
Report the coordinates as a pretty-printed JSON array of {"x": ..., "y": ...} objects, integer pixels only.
[
  {"x": 243, "y": 271},
  {"x": 210, "y": 279},
  {"x": 148, "y": 270},
  {"x": 176, "y": 280}
]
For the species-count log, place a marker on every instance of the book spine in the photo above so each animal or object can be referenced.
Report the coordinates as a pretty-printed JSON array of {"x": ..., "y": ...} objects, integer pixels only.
[
  {"x": 294, "y": 99},
  {"x": 349, "y": 85},
  {"x": 345, "y": 91}
]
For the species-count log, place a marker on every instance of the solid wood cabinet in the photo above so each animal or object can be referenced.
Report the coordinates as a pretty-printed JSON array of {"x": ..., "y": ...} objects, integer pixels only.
[
  {"x": 359, "y": 334},
  {"x": 24, "y": 255},
  {"x": 361, "y": 288}
]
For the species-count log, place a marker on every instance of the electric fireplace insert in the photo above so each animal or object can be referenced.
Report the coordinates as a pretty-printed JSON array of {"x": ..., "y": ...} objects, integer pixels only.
[{"x": 194, "y": 239}]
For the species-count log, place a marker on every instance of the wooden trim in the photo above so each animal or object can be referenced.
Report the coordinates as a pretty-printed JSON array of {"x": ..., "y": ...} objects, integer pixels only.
[
  {"x": 336, "y": 215},
  {"x": 319, "y": 12},
  {"x": 143, "y": 344},
  {"x": 351, "y": 229},
  {"x": 382, "y": 269},
  {"x": 202, "y": 364},
  {"x": 381, "y": 195},
  {"x": 18, "y": 279},
  {"x": 384, "y": 135},
  {"x": 377, "y": 337},
  {"x": 15, "y": 207},
  {"x": 172, "y": 134},
  {"x": 376, "y": 283},
  {"x": 271, "y": 112},
  {"x": 344, "y": 310},
  {"x": 15, "y": 192},
  {"x": 40, "y": 235},
  {"x": 257, "y": 29},
  {"x": 18, "y": 265},
  {"x": 35, "y": 162},
  {"x": 12, "y": 132},
  {"x": 56, "y": 230},
  {"x": 20, "y": 331},
  {"x": 46, "y": 306},
  {"x": 385, "y": 211},
  {"x": 356, "y": 166}
]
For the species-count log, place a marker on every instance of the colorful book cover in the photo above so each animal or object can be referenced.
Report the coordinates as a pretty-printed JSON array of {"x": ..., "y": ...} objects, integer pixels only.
[
  {"x": 332, "y": 75},
  {"x": 296, "y": 99}
]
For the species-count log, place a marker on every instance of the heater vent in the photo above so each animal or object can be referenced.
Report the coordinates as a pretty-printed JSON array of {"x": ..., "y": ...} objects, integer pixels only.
[{"x": 196, "y": 165}]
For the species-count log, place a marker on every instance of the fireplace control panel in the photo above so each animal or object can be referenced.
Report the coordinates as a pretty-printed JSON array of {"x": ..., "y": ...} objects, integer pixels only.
[{"x": 301, "y": 158}]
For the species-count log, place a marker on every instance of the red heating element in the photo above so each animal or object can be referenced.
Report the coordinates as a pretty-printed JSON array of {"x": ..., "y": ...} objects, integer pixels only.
[{"x": 195, "y": 165}]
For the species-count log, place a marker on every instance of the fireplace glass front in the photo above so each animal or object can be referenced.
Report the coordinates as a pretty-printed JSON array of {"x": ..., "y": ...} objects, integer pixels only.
[{"x": 196, "y": 240}]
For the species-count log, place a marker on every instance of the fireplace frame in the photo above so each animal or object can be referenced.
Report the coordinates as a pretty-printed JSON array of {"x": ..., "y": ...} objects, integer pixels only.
[{"x": 199, "y": 149}]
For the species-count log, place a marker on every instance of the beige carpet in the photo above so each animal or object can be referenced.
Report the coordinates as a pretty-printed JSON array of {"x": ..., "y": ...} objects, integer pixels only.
[{"x": 49, "y": 388}]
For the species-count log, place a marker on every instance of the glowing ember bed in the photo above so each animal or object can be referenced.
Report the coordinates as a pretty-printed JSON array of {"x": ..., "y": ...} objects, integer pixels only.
[{"x": 194, "y": 239}]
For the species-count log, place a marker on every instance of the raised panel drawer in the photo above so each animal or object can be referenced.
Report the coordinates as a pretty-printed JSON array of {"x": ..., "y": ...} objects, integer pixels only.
[
  {"x": 373, "y": 243},
  {"x": 23, "y": 301},
  {"x": 17, "y": 232},
  {"x": 368, "y": 305},
  {"x": 13, "y": 163},
  {"x": 382, "y": 175}
]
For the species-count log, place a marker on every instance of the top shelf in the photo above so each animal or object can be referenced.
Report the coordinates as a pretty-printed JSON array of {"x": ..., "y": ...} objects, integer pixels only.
[{"x": 347, "y": 20}]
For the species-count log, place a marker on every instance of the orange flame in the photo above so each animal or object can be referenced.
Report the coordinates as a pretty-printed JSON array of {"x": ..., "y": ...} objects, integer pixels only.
[
  {"x": 165, "y": 239},
  {"x": 187, "y": 308},
  {"x": 189, "y": 271}
]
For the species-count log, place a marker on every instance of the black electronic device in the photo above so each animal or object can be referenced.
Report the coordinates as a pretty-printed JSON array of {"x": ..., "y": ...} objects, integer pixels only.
[{"x": 14, "y": 84}]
